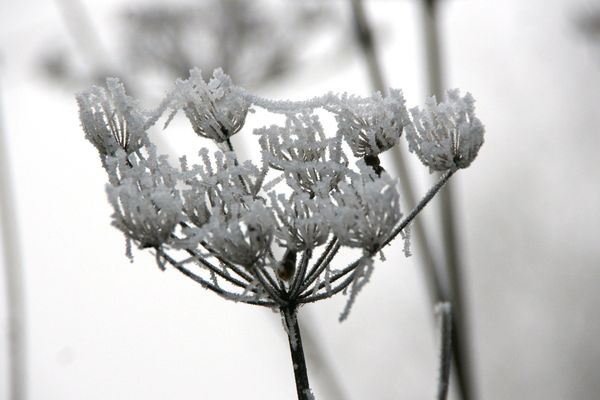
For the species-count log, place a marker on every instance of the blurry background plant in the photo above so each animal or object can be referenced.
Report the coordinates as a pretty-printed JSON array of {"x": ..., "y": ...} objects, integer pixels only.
[
  {"x": 531, "y": 48},
  {"x": 254, "y": 41}
]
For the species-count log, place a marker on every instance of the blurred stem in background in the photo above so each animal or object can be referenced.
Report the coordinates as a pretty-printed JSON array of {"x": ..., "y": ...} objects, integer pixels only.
[
  {"x": 13, "y": 269},
  {"x": 437, "y": 291},
  {"x": 444, "y": 313},
  {"x": 449, "y": 226},
  {"x": 88, "y": 43},
  {"x": 364, "y": 37}
]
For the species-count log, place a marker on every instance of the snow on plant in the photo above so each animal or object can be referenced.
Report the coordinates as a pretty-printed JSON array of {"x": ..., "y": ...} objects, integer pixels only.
[{"x": 267, "y": 232}]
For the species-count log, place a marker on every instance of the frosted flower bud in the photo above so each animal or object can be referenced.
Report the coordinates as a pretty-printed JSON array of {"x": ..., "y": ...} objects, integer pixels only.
[
  {"x": 147, "y": 208},
  {"x": 372, "y": 125},
  {"x": 301, "y": 224},
  {"x": 365, "y": 210},
  {"x": 112, "y": 120},
  {"x": 301, "y": 139},
  {"x": 446, "y": 135},
  {"x": 310, "y": 161},
  {"x": 217, "y": 109},
  {"x": 243, "y": 236}
]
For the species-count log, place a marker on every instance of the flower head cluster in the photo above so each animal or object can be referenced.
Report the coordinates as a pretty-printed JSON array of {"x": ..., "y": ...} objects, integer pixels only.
[
  {"x": 268, "y": 233},
  {"x": 446, "y": 135}
]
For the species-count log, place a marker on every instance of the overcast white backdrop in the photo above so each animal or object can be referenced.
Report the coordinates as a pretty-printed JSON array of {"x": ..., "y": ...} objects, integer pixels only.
[{"x": 99, "y": 327}]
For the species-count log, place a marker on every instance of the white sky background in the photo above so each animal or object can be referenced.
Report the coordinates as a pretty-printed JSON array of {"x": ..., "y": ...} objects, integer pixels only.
[{"x": 102, "y": 328}]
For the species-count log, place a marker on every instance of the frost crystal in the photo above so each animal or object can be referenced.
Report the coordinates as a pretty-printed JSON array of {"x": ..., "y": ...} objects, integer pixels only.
[{"x": 446, "y": 135}]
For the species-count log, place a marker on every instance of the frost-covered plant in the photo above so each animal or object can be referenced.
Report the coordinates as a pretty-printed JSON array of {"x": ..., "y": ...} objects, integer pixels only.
[
  {"x": 446, "y": 135},
  {"x": 267, "y": 232}
]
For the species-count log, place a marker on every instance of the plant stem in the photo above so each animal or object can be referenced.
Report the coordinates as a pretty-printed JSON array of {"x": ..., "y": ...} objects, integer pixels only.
[
  {"x": 444, "y": 312},
  {"x": 292, "y": 329},
  {"x": 13, "y": 269},
  {"x": 366, "y": 42},
  {"x": 448, "y": 218}
]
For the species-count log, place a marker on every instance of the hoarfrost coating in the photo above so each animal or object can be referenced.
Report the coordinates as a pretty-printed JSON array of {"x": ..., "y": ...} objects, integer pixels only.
[{"x": 266, "y": 231}]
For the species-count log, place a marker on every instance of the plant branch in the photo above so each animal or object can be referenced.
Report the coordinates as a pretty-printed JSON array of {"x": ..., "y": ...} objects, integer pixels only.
[
  {"x": 292, "y": 329},
  {"x": 207, "y": 285}
]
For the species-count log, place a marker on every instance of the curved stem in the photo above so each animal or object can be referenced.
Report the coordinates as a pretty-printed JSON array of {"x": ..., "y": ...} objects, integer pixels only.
[
  {"x": 422, "y": 203},
  {"x": 289, "y": 314}
]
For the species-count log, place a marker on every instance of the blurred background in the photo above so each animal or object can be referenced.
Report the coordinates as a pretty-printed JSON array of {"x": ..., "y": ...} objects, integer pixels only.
[{"x": 95, "y": 326}]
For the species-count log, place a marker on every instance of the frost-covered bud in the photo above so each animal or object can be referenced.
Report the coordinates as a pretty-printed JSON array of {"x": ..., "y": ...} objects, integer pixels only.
[
  {"x": 195, "y": 207},
  {"x": 310, "y": 161},
  {"x": 301, "y": 224},
  {"x": 301, "y": 139},
  {"x": 446, "y": 135},
  {"x": 147, "y": 208},
  {"x": 243, "y": 236},
  {"x": 365, "y": 210},
  {"x": 217, "y": 109},
  {"x": 372, "y": 125},
  {"x": 112, "y": 120}
]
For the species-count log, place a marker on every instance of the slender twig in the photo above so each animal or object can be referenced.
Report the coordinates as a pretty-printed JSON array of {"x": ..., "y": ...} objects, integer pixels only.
[
  {"x": 321, "y": 264},
  {"x": 207, "y": 285},
  {"x": 448, "y": 219},
  {"x": 297, "y": 352},
  {"x": 366, "y": 42},
  {"x": 444, "y": 312},
  {"x": 301, "y": 273},
  {"x": 13, "y": 269}
]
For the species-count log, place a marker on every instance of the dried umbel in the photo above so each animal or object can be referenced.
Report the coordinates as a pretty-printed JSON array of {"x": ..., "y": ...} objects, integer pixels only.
[{"x": 267, "y": 233}]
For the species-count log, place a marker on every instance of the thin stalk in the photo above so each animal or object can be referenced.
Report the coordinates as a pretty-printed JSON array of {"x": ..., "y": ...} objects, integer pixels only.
[
  {"x": 13, "y": 269},
  {"x": 364, "y": 35},
  {"x": 449, "y": 227},
  {"x": 444, "y": 312},
  {"x": 292, "y": 329}
]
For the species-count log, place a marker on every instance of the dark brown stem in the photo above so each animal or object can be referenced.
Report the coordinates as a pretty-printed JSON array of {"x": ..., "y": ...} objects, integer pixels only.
[{"x": 292, "y": 329}]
